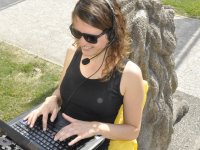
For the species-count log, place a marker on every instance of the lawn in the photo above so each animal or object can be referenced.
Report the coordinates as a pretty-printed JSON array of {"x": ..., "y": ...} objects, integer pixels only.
[
  {"x": 25, "y": 80},
  {"x": 190, "y": 8}
]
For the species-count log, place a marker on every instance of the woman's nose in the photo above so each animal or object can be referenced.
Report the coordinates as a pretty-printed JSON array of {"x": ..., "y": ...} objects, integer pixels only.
[{"x": 82, "y": 41}]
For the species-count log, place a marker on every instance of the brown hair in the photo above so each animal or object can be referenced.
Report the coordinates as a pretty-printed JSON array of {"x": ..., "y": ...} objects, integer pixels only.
[{"x": 99, "y": 14}]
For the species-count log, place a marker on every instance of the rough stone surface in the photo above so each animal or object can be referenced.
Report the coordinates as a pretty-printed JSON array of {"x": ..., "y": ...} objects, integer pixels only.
[{"x": 152, "y": 31}]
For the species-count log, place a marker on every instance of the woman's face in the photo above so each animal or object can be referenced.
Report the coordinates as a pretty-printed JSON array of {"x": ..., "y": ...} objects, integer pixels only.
[{"x": 89, "y": 49}]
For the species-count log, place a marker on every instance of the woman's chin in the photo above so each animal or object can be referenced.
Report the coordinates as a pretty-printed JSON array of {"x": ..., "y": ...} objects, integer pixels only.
[{"x": 87, "y": 52}]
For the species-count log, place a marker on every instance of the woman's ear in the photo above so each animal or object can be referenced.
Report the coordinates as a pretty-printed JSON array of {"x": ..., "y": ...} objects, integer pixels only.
[{"x": 110, "y": 35}]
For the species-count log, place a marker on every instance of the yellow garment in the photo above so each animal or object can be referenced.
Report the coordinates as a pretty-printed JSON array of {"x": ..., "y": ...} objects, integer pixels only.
[{"x": 126, "y": 145}]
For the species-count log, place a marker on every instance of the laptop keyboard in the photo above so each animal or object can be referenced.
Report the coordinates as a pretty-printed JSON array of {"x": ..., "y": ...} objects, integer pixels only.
[{"x": 45, "y": 138}]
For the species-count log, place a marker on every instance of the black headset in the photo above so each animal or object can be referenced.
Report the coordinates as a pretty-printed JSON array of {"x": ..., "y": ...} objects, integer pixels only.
[{"x": 111, "y": 33}]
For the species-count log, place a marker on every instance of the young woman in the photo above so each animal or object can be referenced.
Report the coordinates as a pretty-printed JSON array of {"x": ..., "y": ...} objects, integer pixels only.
[{"x": 98, "y": 80}]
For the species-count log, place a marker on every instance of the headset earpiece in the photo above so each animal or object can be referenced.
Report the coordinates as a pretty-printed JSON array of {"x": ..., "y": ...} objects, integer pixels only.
[{"x": 111, "y": 35}]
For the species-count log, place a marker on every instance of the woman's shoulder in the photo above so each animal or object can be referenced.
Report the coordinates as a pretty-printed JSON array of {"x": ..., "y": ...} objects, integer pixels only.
[
  {"x": 132, "y": 73},
  {"x": 132, "y": 69},
  {"x": 131, "y": 77},
  {"x": 71, "y": 51}
]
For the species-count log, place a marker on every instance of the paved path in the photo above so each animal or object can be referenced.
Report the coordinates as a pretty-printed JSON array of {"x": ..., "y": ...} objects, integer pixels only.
[
  {"x": 187, "y": 56},
  {"x": 8, "y": 3},
  {"x": 41, "y": 27}
]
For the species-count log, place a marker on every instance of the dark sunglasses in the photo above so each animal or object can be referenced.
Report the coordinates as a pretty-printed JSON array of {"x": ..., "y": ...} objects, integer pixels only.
[{"x": 88, "y": 37}]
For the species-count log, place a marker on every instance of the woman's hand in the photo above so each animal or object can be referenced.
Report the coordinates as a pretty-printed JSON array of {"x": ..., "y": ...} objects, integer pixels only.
[
  {"x": 82, "y": 130},
  {"x": 49, "y": 106}
]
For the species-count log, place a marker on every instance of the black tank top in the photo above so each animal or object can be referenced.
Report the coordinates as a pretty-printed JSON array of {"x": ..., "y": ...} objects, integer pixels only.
[{"x": 90, "y": 99}]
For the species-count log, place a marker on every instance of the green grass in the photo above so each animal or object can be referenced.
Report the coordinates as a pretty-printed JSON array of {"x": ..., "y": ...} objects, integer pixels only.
[
  {"x": 190, "y": 8},
  {"x": 25, "y": 80}
]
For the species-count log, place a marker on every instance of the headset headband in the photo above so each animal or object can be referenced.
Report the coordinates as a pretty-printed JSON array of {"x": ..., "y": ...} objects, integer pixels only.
[
  {"x": 108, "y": 2},
  {"x": 112, "y": 34}
]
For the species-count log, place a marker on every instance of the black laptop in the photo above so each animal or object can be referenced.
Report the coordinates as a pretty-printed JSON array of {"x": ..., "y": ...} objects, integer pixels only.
[{"x": 37, "y": 139}]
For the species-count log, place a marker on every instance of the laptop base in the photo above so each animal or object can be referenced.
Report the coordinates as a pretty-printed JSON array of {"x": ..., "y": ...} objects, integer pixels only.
[
  {"x": 7, "y": 144},
  {"x": 36, "y": 139}
]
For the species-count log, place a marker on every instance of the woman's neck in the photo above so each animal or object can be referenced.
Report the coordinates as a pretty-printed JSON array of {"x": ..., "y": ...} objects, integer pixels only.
[{"x": 96, "y": 64}]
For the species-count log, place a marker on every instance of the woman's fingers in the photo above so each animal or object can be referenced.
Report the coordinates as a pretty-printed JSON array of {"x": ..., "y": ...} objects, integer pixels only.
[
  {"x": 75, "y": 140},
  {"x": 80, "y": 129},
  {"x": 29, "y": 118},
  {"x": 54, "y": 115},
  {"x": 26, "y": 117},
  {"x": 64, "y": 133},
  {"x": 44, "y": 121},
  {"x": 49, "y": 106},
  {"x": 32, "y": 120}
]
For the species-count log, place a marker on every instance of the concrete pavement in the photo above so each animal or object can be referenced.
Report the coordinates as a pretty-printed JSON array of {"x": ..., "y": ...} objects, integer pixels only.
[
  {"x": 41, "y": 27},
  {"x": 38, "y": 26},
  {"x": 187, "y": 55},
  {"x": 187, "y": 58}
]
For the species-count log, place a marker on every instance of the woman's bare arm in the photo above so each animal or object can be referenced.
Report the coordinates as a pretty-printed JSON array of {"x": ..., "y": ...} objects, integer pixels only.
[{"x": 132, "y": 87}]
